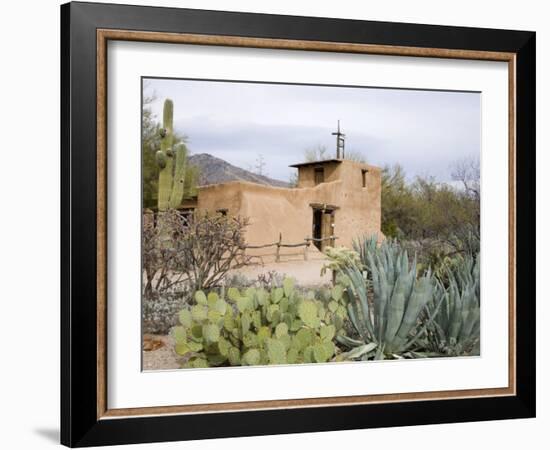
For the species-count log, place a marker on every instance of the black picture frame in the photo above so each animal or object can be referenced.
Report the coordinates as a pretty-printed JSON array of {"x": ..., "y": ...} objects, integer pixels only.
[{"x": 80, "y": 425}]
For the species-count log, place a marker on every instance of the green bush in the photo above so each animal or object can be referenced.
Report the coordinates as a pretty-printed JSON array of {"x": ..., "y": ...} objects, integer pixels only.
[{"x": 259, "y": 327}]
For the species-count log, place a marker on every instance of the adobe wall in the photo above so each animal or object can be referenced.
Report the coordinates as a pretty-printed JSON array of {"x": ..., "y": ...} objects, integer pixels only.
[
  {"x": 360, "y": 207},
  {"x": 270, "y": 211},
  {"x": 273, "y": 210},
  {"x": 306, "y": 174},
  {"x": 224, "y": 195},
  {"x": 363, "y": 204}
]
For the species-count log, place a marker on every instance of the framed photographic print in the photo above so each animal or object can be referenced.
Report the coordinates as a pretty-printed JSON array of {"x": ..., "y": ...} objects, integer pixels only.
[{"x": 276, "y": 224}]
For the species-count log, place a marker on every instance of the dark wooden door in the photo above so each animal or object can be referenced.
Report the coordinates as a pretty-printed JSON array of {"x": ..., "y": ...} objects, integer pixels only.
[
  {"x": 328, "y": 221},
  {"x": 317, "y": 230}
]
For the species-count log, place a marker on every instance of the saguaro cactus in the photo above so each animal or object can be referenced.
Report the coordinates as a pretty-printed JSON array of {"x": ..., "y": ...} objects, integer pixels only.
[{"x": 171, "y": 160}]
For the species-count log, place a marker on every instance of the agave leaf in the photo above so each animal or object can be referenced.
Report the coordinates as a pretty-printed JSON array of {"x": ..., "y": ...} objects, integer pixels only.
[
  {"x": 385, "y": 293},
  {"x": 349, "y": 342},
  {"x": 390, "y": 267},
  {"x": 380, "y": 352},
  {"x": 456, "y": 318},
  {"x": 471, "y": 321},
  {"x": 417, "y": 354},
  {"x": 396, "y": 309},
  {"x": 353, "y": 315},
  {"x": 361, "y": 350},
  {"x": 422, "y": 293},
  {"x": 359, "y": 288},
  {"x": 424, "y": 327}
]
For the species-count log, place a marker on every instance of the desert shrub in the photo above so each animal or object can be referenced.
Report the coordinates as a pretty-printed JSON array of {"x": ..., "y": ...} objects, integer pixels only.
[
  {"x": 194, "y": 250},
  {"x": 181, "y": 254},
  {"x": 434, "y": 254},
  {"x": 160, "y": 314},
  {"x": 237, "y": 280},
  {"x": 267, "y": 280},
  {"x": 270, "y": 280},
  {"x": 442, "y": 255},
  {"x": 258, "y": 327},
  {"x": 340, "y": 257},
  {"x": 440, "y": 216}
]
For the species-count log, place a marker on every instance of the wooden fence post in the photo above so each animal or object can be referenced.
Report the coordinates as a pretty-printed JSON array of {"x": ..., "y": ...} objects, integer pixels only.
[{"x": 278, "y": 257}]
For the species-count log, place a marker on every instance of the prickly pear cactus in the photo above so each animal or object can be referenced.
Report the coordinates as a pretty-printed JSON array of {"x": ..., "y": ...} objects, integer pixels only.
[
  {"x": 171, "y": 160},
  {"x": 259, "y": 327}
]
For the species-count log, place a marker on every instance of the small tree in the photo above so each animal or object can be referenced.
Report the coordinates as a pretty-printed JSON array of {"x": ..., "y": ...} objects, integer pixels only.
[
  {"x": 467, "y": 172},
  {"x": 259, "y": 167},
  {"x": 316, "y": 153},
  {"x": 320, "y": 152},
  {"x": 355, "y": 155},
  {"x": 195, "y": 251}
]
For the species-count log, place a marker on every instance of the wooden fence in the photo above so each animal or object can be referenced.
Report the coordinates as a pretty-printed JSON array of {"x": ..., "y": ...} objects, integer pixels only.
[{"x": 279, "y": 244}]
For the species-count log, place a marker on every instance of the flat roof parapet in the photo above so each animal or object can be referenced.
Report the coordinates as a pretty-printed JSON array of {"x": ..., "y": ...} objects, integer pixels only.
[{"x": 313, "y": 163}]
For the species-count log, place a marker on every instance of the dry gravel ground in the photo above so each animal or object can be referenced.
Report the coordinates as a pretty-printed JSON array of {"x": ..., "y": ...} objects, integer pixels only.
[
  {"x": 306, "y": 273},
  {"x": 162, "y": 358}
]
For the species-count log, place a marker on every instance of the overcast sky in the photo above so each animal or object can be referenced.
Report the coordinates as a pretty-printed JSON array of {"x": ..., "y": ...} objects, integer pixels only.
[{"x": 424, "y": 131}]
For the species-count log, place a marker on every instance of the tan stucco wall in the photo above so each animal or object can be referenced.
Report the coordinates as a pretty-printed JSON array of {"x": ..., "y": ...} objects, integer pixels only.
[
  {"x": 361, "y": 206},
  {"x": 273, "y": 210},
  {"x": 306, "y": 174}
]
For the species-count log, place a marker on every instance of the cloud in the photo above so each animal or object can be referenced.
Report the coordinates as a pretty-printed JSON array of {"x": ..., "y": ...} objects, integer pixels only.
[{"x": 424, "y": 131}]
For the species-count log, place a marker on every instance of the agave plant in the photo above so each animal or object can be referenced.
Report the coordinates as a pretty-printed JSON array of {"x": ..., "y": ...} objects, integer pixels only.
[
  {"x": 365, "y": 246},
  {"x": 389, "y": 325},
  {"x": 453, "y": 317}
]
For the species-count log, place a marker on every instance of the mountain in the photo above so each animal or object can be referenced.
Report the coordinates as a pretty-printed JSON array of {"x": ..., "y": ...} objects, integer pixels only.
[{"x": 214, "y": 170}]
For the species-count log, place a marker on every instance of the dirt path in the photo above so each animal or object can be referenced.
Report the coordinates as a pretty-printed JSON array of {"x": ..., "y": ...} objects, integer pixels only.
[{"x": 306, "y": 273}]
